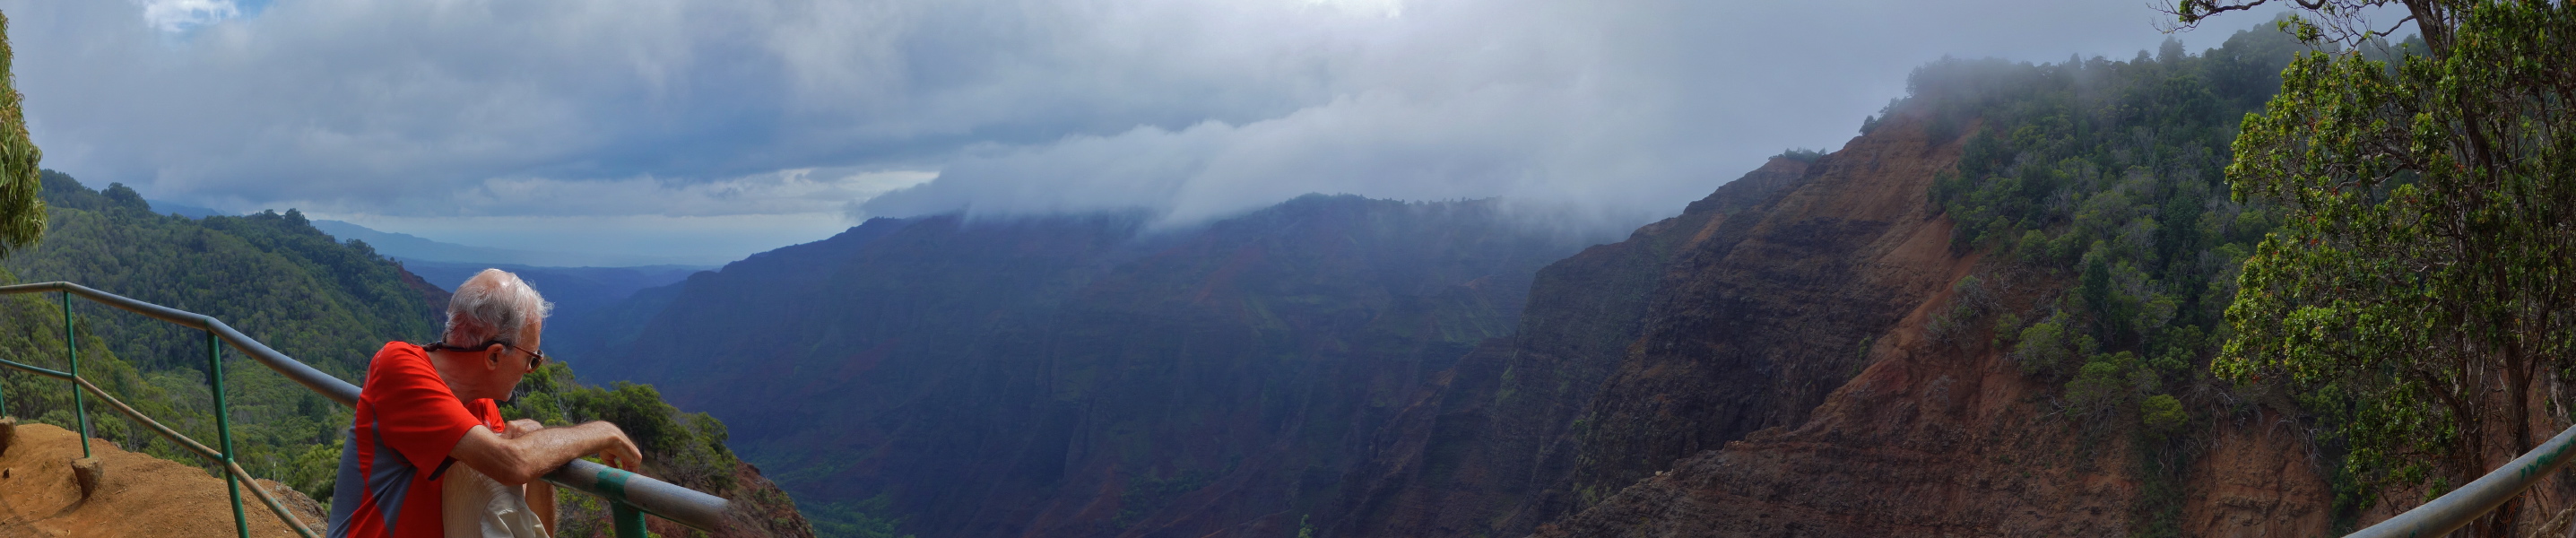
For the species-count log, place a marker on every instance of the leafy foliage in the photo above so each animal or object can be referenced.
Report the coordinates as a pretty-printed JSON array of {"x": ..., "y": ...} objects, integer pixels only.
[
  {"x": 1806, "y": 155},
  {"x": 22, "y": 212},
  {"x": 2417, "y": 291},
  {"x": 687, "y": 449},
  {"x": 2106, "y": 175}
]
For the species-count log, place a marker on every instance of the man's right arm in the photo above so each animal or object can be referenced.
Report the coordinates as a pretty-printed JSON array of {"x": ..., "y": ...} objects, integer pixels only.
[{"x": 521, "y": 460}]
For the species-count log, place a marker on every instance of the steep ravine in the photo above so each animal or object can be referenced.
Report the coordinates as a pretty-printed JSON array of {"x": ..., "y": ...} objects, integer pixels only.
[
  {"x": 1785, "y": 357},
  {"x": 1761, "y": 366},
  {"x": 1072, "y": 376},
  {"x": 1493, "y": 432},
  {"x": 1934, "y": 439},
  {"x": 1782, "y": 275}
]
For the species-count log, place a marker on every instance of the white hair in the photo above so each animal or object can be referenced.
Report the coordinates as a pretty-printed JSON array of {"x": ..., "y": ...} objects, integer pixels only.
[{"x": 494, "y": 305}]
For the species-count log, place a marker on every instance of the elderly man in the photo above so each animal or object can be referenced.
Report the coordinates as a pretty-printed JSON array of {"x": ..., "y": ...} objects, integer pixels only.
[{"x": 427, "y": 408}]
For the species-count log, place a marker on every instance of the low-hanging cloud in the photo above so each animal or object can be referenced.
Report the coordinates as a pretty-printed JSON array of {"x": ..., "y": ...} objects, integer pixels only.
[{"x": 1187, "y": 108}]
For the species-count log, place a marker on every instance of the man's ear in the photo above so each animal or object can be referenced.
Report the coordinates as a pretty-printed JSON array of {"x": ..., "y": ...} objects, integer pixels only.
[{"x": 492, "y": 357}]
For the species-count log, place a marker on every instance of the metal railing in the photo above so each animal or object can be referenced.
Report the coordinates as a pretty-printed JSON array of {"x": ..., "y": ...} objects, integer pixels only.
[
  {"x": 2461, "y": 506},
  {"x": 630, "y": 496}
]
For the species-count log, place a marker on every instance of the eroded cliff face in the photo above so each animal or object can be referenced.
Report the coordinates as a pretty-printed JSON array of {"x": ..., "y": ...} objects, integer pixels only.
[
  {"x": 1491, "y": 437},
  {"x": 1753, "y": 333},
  {"x": 1738, "y": 315},
  {"x": 1763, "y": 366},
  {"x": 1935, "y": 439}
]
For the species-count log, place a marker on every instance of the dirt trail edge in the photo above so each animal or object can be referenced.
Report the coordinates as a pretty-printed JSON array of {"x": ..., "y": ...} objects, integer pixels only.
[{"x": 138, "y": 495}]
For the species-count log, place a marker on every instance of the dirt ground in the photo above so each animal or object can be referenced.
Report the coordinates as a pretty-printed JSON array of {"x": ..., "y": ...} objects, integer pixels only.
[{"x": 138, "y": 495}]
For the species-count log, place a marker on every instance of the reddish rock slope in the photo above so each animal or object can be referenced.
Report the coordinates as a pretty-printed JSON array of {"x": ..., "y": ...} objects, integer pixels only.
[
  {"x": 1928, "y": 439},
  {"x": 1759, "y": 366},
  {"x": 1942, "y": 441}
]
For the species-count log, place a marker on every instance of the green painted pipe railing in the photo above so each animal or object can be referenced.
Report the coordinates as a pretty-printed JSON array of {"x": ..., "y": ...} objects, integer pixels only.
[
  {"x": 630, "y": 496},
  {"x": 2458, "y": 508}
]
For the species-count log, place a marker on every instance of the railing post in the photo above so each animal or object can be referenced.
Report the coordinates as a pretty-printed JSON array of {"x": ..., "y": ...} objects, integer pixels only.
[
  {"x": 71, "y": 347},
  {"x": 630, "y": 521},
  {"x": 223, "y": 422}
]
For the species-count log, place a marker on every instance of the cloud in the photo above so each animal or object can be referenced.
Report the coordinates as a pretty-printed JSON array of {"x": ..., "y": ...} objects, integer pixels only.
[
  {"x": 795, "y": 191},
  {"x": 703, "y": 222},
  {"x": 180, "y": 15},
  {"x": 427, "y": 109},
  {"x": 1616, "y": 112}
]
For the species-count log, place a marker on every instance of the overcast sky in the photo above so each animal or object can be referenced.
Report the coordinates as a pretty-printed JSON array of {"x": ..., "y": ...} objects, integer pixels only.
[{"x": 714, "y": 129}]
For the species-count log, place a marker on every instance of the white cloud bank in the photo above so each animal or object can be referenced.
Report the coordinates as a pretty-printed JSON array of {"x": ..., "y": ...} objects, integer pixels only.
[{"x": 421, "y": 110}]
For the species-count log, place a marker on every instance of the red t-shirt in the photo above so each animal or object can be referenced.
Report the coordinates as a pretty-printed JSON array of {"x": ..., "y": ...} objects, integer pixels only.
[{"x": 406, "y": 425}]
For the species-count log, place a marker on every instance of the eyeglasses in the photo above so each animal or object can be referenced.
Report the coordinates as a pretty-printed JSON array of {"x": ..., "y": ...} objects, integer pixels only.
[{"x": 535, "y": 359}]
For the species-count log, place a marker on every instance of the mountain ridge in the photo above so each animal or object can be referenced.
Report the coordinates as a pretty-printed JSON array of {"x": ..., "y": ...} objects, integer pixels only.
[
  {"x": 1990, "y": 313},
  {"x": 1051, "y": 333},
  {"x": 407, "y": 246}
]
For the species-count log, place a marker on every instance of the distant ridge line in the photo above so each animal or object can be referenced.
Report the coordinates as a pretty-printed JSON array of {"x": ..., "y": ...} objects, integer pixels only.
[{"x": 400, "y": 245}]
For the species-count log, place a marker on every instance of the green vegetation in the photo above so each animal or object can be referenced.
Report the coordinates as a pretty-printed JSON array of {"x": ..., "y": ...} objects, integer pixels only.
[
  {"x": 861, "y": 519},
  {"x": 2415, "y": 295},
  {"x": 22, "y": 213},
  {"x": 269, "y": 275},
  {"x": 687, "y": 449},
  {"x": 1804, "y": 155},
  {"x": 2394, "y": 228},
  {"x": 329, "y": 304},
  {"x": 2106, "y": 176}
]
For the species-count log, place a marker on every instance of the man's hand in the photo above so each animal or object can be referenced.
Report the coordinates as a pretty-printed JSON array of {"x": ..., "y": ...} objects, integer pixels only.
[
  {"x": 621, "y": 453},
  {"x": 617, "y": 455},
  {"x": 521, "y": 428},
  {"x": 520, "y": 458}
]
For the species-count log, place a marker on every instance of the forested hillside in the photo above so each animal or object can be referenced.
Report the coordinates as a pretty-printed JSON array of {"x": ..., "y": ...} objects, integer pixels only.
[{"x": 326, "y": 303}]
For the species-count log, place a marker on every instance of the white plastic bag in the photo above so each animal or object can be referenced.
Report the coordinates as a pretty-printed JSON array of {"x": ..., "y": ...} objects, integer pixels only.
[{"x": 475, "y": 506}]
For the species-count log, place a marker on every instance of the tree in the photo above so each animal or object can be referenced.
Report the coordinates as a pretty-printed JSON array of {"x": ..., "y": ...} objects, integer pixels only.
[
  {"x": 22, "y": 213},
  {"x": 2418, "y": 288}
]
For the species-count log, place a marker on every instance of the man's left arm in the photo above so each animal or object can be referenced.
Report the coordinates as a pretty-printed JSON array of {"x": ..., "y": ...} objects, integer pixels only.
[{"x": 528, "y": 457}]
